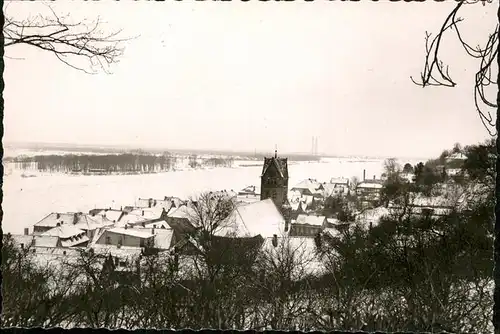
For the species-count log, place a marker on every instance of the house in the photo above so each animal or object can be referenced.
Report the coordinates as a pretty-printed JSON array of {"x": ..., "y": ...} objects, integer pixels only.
[
  {"x": 340, "y": 182},
  {"x": 259, "y": 218},
  {"x": 128, "y": 237},
  {"x": 91, "y": 224},
  {"x": 69, "y": 235},
  {"x": 307, "y": 226},
  {"x": 370, "y": 189},
  {"x": 308, "y": 187},
  {"x": 298, "y": 208},
  {"x": 25, "y": 241},
  {"x": 56, "y": 218},
  {"x": 182, "y": 219}
]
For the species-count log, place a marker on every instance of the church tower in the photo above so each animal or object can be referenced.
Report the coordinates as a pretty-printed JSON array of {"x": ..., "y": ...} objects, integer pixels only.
[{"x": 274, "y": 181}]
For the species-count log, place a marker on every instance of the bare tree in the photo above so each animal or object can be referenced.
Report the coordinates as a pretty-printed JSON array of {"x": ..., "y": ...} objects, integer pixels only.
[
  {"x": 65, "y": 39},
  {"x": 436, "y": 73}
]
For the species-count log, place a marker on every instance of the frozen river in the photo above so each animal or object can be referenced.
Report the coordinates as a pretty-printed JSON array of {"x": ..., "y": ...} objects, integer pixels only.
[{"x": 27, "y": 200}]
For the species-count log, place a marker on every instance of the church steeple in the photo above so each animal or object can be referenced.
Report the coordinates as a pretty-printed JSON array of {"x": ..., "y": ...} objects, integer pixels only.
[{"x": 274, "y": 180}]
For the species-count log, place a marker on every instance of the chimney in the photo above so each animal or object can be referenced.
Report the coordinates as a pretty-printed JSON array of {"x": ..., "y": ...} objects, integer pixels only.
[
  {"x": 58, "y": 215},
  {"x": 364, "y": 174},
  {"x": 275, "y": 240},
  {"x": 143, "y": 212},
  {"x": 26, "y": 231},
  {"x": 126, "y": 227},
  {"x": 153, "y": 231},
  {"x": 374, "y": 177}
]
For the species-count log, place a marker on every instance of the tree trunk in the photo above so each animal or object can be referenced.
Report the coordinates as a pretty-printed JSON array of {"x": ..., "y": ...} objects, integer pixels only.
[{"x": 496, "y": 298}]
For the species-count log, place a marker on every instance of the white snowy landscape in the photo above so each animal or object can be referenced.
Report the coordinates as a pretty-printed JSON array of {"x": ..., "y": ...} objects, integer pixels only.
[{"x": 47, "y": 192}]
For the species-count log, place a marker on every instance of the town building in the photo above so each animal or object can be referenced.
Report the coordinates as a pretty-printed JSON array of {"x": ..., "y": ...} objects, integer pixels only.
[
  {"x": 274, "y": 180},
  {"x": 307, "y": 225}
]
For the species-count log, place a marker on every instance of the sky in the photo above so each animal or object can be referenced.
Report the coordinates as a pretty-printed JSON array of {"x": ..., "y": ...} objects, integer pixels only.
[{"x": 249, "y": 76}]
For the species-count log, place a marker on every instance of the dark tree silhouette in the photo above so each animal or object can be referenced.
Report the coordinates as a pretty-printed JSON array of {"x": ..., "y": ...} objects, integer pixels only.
[
  {"x": 435, "y": 73},
  {"x": 65, "y": 39}
]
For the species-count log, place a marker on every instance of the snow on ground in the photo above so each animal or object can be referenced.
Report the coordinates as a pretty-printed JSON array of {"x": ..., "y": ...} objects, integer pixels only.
[{"x": 27, "y": 200}]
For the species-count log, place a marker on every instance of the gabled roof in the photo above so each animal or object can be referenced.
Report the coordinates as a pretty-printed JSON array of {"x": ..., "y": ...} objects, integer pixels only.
[
  {"x": 281, "y": 165},
  {"x": 310, "y": 220},
  {"x": 68, "y": 218},
  {"x": 259, "y": 218}
]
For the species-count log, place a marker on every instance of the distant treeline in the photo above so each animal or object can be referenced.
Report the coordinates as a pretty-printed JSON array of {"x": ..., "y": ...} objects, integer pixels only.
[{"x": 109, "y": 163}]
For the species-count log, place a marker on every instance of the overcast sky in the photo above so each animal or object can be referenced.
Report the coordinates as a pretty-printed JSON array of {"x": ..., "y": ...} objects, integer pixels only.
[{"x": 247, "y": 76}]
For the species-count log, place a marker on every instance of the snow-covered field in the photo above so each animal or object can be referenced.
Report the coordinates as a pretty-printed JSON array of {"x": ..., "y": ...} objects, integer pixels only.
[{"x": 29, "y": 199}]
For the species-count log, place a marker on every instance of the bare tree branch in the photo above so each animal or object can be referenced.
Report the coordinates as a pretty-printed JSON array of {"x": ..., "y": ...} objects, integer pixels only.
[
  {"x": 67, "y": 41},
  {"x": 436, "y": 73}
]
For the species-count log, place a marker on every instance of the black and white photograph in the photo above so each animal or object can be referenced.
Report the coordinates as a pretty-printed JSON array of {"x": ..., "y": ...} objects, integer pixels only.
[{"x": 250, "y": 165}]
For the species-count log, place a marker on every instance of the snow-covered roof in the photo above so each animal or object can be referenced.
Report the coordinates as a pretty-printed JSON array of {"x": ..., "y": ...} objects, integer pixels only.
[
  {"x": 252, "y": 219},
  {"x": 159, "y": 224},
  {"x": 457, "y": 156},
  {"x": 64, "y": 231},
  {"x": 310, "y": 220},
  {"x": 131, "y": 219},
  {"x": 339, "y": 180},
  {"x": 112, "y": 215},
  {"x": 163, "y": 238},
  {"x": 67, "y": 218},
  {"x": 369, "y": 185},
  {"x": 148, "y": 213},
  {"x": 139, "y": 233},
  {"x": 183, "y": 212},
  {"x": 250, "y": 190},
  {"x": 35, "y": 240},
  {"x": 92, "y": 223},
  {"x": 121, "y": 252}
]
